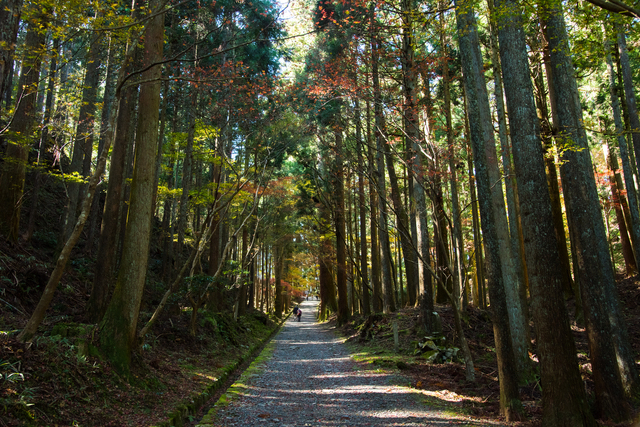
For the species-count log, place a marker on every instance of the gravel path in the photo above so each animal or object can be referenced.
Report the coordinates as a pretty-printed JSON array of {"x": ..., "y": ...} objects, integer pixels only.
[{"x": 310, "y": 380}]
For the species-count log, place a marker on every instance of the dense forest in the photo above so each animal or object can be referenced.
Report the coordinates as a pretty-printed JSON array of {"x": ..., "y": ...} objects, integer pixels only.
[{"x": 199, "y": 158}]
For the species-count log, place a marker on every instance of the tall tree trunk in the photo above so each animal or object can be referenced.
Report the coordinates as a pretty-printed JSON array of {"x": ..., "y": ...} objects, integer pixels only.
[
  {"x": 564, "y": 397},
  {"x": 552, "y": 181},
  {"x": 366, "y": 299},
  {"x": 107, "y": 101},
  {"x": 187, "y": 171},
  {"x": 108, "y": 242},
  {"x": 341, "y": 237},
  {"x": 477, "y": 239},
  {"x": 411, "y": 124},
  {"x": 373, "y": 207},
  {"x": 83, "y": 143},
  {"x": 9, "y": 22},
  {"x": 456, "y": 220},
  {"x": 44, "y": 138},
  {"x": 118, "y": 328},
  {"x": 383, "y": 233},
  {"x": 16, "y": 156},
  {"x": 629, "y": 92},
  {"x": 616, "y": 200},
  {"x": 491, "y": 203},
  {"x": 613, "y": 365},
  {"x": 516, "y": 291},
  {"x": 634, "y": 223}
]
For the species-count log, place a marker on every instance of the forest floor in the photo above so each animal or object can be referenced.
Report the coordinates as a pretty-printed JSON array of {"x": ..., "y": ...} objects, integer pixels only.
[
  {"x": 443, "y": 379},
  {"x": 60, "y": 379}
]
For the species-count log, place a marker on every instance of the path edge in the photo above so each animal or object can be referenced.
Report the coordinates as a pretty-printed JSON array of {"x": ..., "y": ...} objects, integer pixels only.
[{"x": 185, "y": 411}]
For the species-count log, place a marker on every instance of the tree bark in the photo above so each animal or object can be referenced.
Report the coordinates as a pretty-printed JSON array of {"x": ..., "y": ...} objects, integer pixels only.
[
  {"x": 118, "y": 328},
  {"x": 613, "y": 366},
  {"x": 108, "y": 241},
  {"x": 18, "y": 142},
  {"x": 634, "y": 214},
  {"x": 9, "y": 22},
  {"x": 341, "y": 238},
  {"x": 83, "y": 141},
  {"x": 616, "y": 200},
  {"x": 564, "y": 399},
  {"x": 629, "y": 93},
  {"x": 491, "y": 203},
  {"x": 44, "y": 138},
  {"x": 366, "y": 296},
  {"x": 380, "y": 178}
]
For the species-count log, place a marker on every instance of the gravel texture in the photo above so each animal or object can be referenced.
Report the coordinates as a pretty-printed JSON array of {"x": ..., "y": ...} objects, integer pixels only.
[{"x": 311, "y": 380}]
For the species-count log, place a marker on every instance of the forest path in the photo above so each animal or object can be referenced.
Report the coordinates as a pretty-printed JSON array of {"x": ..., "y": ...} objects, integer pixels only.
[{"x": 311, "y": 380}]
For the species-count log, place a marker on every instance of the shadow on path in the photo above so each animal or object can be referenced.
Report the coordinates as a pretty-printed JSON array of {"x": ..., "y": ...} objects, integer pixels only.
[{"x": 310, "y": 380}]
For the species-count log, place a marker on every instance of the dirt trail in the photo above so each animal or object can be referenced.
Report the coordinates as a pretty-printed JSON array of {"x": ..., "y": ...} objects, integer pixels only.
[{"x": 310, "y": 380}]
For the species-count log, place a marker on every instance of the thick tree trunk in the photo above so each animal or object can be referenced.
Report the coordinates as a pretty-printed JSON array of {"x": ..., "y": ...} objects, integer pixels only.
[
  {"x": 108, "y": 242},
  {"x": 16, "y": 156},
  {"x": 118, "y": 328},
  {"x": 491, "y": 204},
  {"x": 552, "y": 181},
  {"x": 613, "y": 366},
  {"x": 564, "y": 398},
  {"x": 516, "y": 292}
]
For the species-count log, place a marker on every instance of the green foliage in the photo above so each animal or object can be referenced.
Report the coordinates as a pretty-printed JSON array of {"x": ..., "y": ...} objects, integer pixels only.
[
  {"x": 11, "y": 399},
  {"x": 434, "y": 349}
]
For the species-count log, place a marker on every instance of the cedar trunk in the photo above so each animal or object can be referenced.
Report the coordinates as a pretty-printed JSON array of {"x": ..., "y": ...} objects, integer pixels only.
[
  {"x": 491, "y": 202},
  {"x": 118, "y": 328},
  {"x": 564, "y": 399}
]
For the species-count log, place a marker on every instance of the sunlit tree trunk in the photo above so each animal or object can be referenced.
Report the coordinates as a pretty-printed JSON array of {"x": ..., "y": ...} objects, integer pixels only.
[
  {"x": 634, "y": 223},
  {"x": 383, "y": 232},
  {"x": 83, "y": 142},
  {"x": 9, "y": 21},
  {"x": 629, "y": 92},
  {"x": 340, "y": 228},
  {"x": 564, "y": 397},
  {"x": 44, "y": 137},
  {"x": 16, "y": 155},
  {"x": 366, "y": 299},
  {"x": 613, "y": 366},
  {"x": 376, "y": 279},
  {"x": 456, "y": 220},
  {"x": 616, "y": 200},
  {"x": 491, "y": 203}
]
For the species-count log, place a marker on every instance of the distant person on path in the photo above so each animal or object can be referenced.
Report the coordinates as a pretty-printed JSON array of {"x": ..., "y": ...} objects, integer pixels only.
[
  {"x": 295, "y": 310},
  {"x": 298, "y": 314}
]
